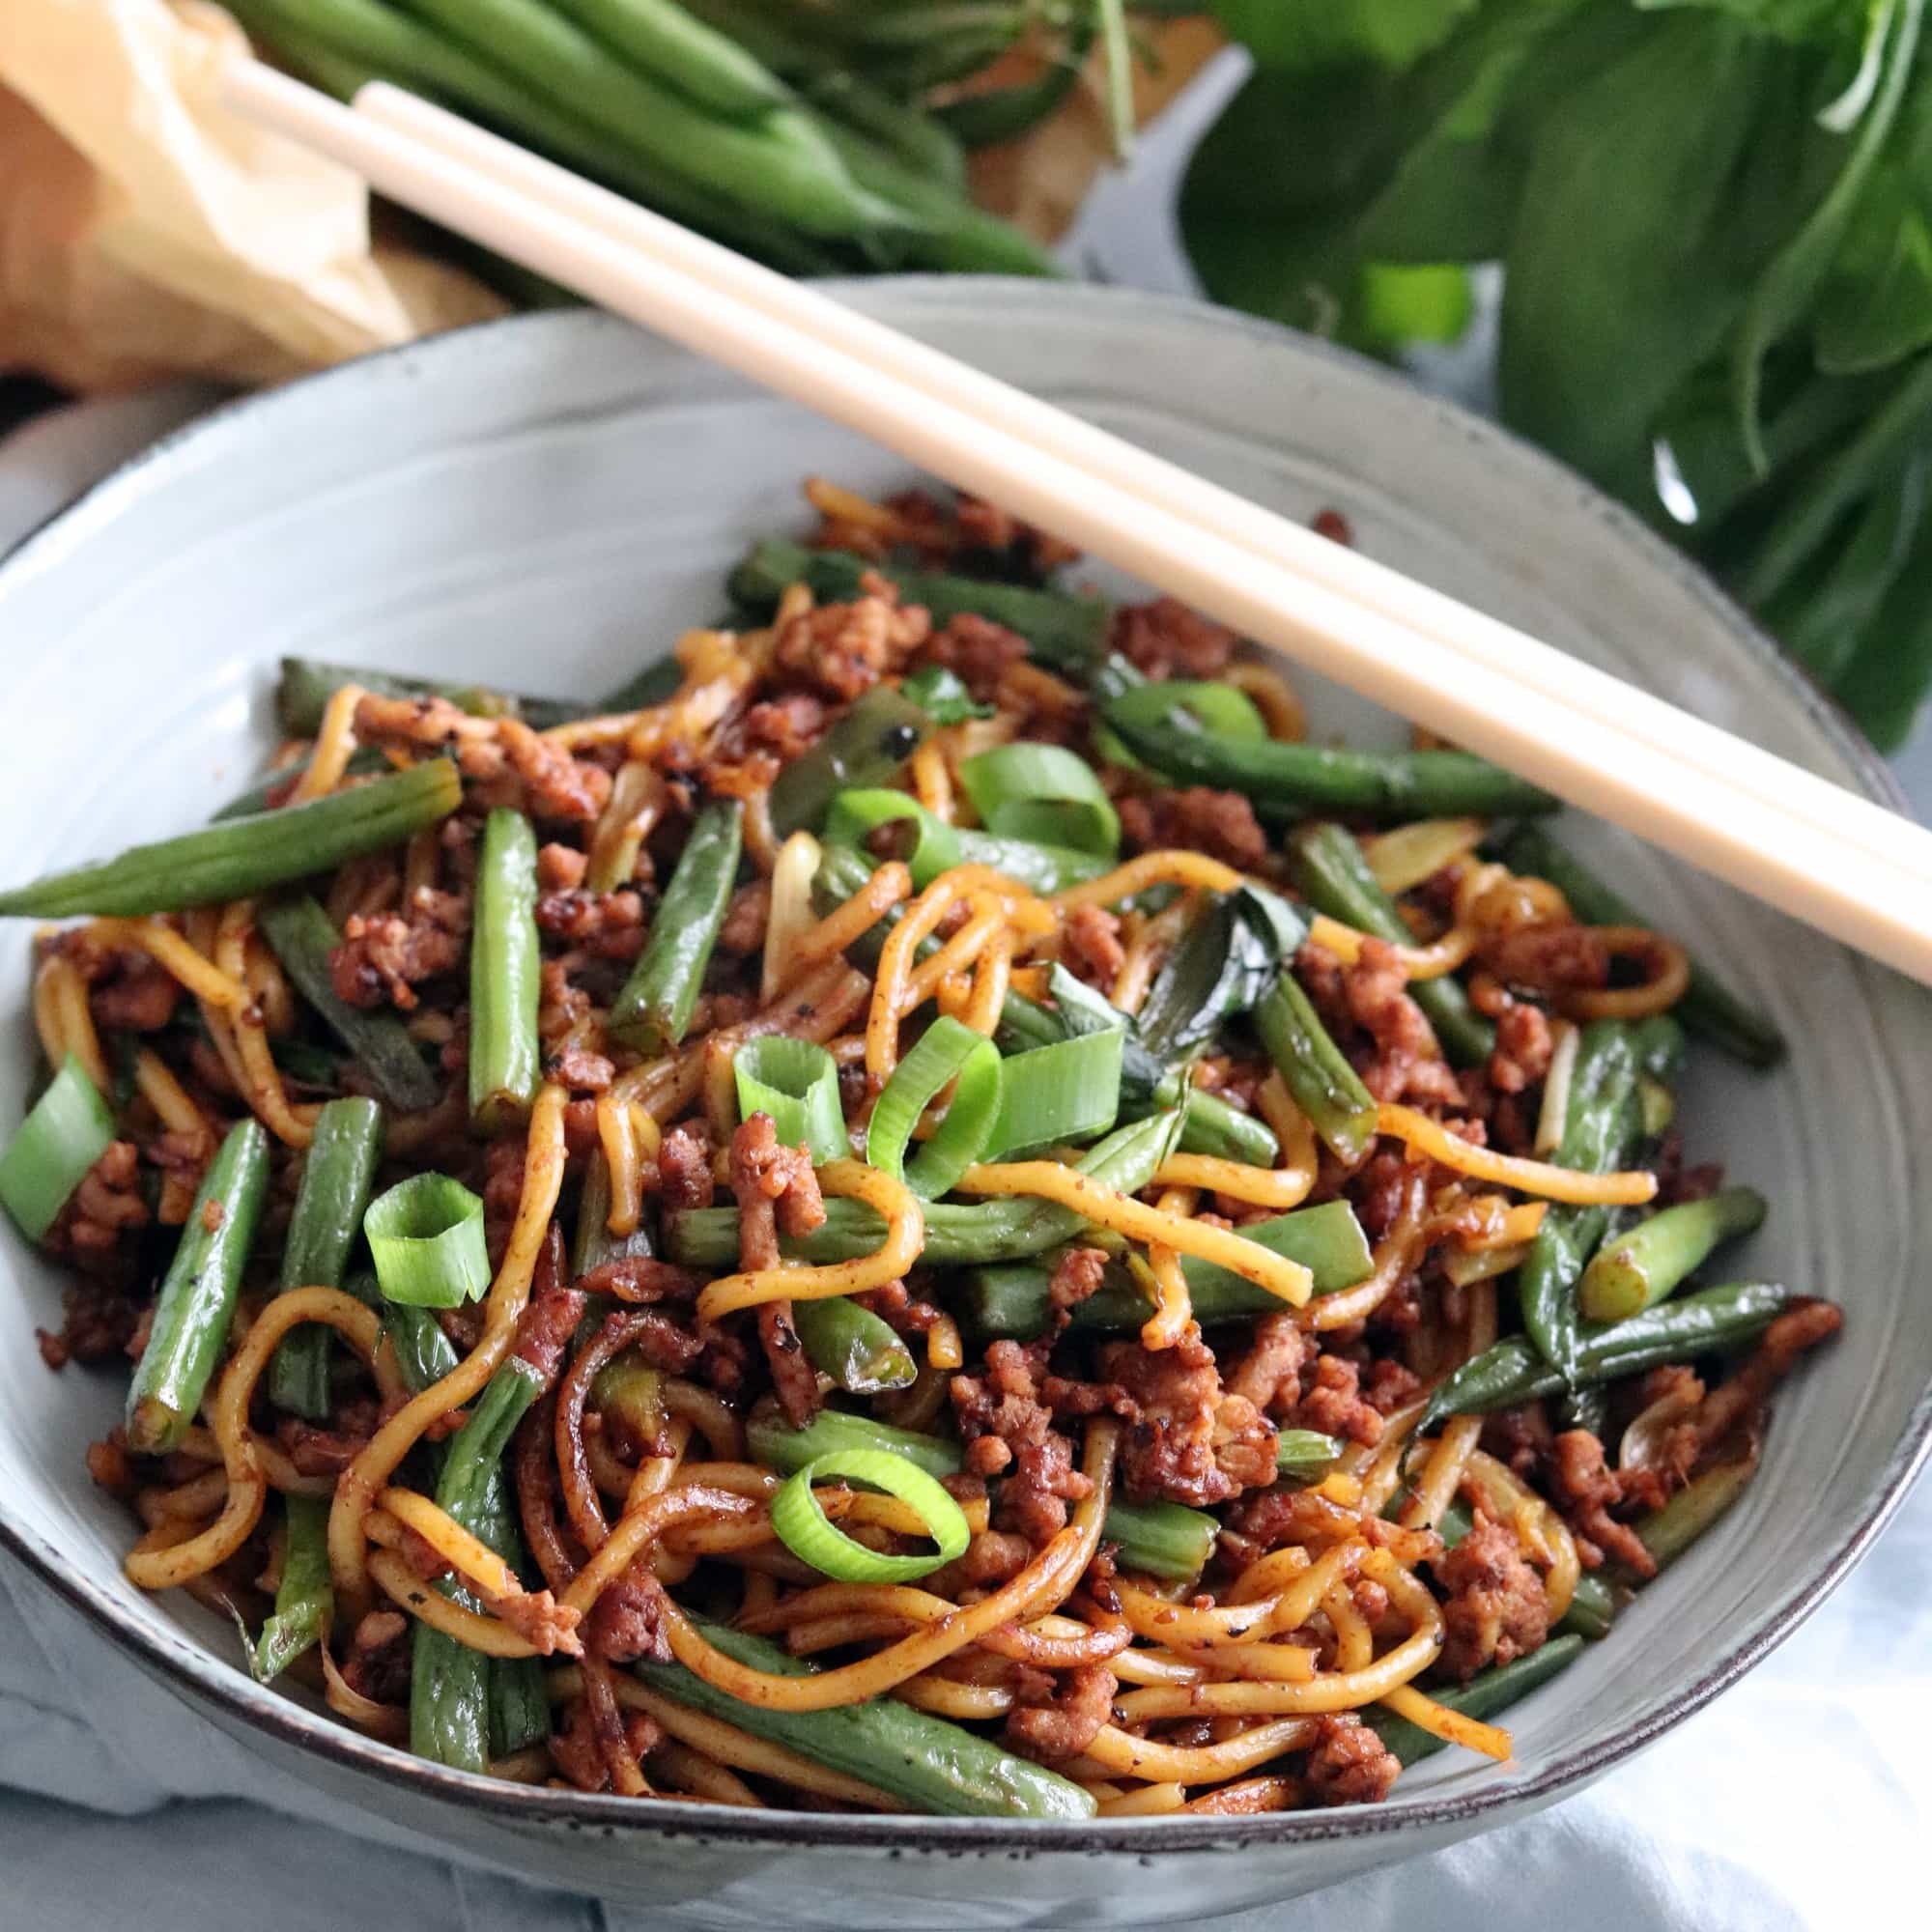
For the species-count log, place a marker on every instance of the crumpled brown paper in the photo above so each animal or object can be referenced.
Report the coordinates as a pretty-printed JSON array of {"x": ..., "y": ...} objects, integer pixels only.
[{"x": 145, "y": 232}]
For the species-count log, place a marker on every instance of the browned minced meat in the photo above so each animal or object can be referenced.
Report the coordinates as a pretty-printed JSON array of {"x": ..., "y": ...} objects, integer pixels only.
[
  {"x": 793, "y": 1378},
  {"x": 841, "y": 650},
  {"x": 137, "y": 995},
  {"x": 561, "y": 869},
  {"x": 993, "y": 1557},
  {"x": 580, "y": 1070},
  {"x": 1165, "y": 639},
  {"x": 1057, "y": 1716},
  {"x": 1077, "y": 1275},
  {"x": 1269, "y": 1373},
  {"x": 1349, "y": 1764},
  {"x": 775, "y": 1187},
  {"x": 1008, "y": 1430},
  {"x": 1390, "y": 1384},
  {"x": 983, "y": 525},
  {"x": 557, "y": 786},
  {"x": 96, "y": 1323},
  {"x": 1406, "y": 1063},
  {"x": 1519, "y": 1438},
  {"x": 1496, "y": 1609},
  {"x": 317, "y": 1451},
  {"x": 684, "y": 1169},
  {"x": 1222, "y": 824},
  {"x": 978, "y": 651},
  {"x": 387, "y": 955},
  {"x": 743, "y": 931},
  {"x": 1677, "y": 1184},
  {"x": 640, "y": 1278},
  {"x": 550, "y": 1315},
  {"x": 1270, "y": 1519},
  {"x": 378, "y": 1663},
  {"x": 627, "y": 1621},
  {"x": 106, "y": 1205},
  {"x": 1585, "y": 1492},
  {"x": 1190, "y": 1441},
  {"x": 503, "y": 1191},
  {"x": 751, "y": 751},
  {"x": 1555, "y": 959},
  {"x": 895, "y": 1305},
  {"x": 1334, "y": 1404},
  {"x": 1089, "y": 945},
  {"x": 608, "y": 926},
  {"x": 1733, "y": 1406},
  {"x": 584, "y": 1756},
  {"x": 1524, "y": 1047}
]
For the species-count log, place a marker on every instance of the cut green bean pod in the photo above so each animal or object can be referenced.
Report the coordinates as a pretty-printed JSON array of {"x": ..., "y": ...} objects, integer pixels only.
[
  {"x": 242, "y": 857},
  {"x": 1692, "y": 1510},
  {"x": 1324, "y": 1086},
  {"x": 505, "y": 975},
  {"x": 927, "y": 1764},
  {"x": 303, "y": 937},
  {"x": 704, "y": 66},
  {"x": 1320, "y": 777},
  {"x": 1513, "y": 1372},
  {"x": 324, "y": 1226},
  {"x": 863, "y": 1354},
  {"x": 306, "y": 685},
  {"x": 653, "y": 1012},
  {"x": 1709, "y": 1008},
  {"x": 1335, "y": 876},
  {"x": 1637, "y": 1270},
  {"x": 196, "y": 1302},
  {"x": 303, "y": 1597},
  {"x": 66, "y": 1131}
]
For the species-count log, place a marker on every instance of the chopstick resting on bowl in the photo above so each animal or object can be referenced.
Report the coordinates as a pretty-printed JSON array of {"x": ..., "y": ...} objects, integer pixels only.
[{"x": 1783, "y": 835}]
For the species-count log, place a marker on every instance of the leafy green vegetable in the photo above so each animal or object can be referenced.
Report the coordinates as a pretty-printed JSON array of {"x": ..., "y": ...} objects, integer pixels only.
[{"x": 1297, "y": 35}]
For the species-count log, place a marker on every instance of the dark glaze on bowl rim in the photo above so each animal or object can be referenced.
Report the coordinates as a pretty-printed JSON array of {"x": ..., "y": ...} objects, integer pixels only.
[{"x": 206, "y": 1679}]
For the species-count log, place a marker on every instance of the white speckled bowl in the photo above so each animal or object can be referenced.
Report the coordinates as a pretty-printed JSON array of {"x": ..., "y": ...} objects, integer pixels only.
[{"x": 544, "y": 503}]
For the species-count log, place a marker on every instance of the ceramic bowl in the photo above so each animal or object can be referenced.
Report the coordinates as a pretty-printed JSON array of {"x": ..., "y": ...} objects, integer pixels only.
[{"x": 544, "y": 503}]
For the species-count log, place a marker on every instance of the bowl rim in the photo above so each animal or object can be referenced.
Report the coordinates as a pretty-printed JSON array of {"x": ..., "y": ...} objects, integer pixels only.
[{"x": 204, "y": 1678}]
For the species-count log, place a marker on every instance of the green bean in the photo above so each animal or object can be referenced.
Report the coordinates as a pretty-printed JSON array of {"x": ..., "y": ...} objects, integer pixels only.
[
  {"x": 1325, "y": 1087},
  {"x": 1584, "y": 1409},
  {"x": 931, "y": 1766},
  {"x": 1337, "y": 879},
  {"x": 398, "y": 47},
  {"x": 594, "y": 1244},
  {"x": 1709, "y": 1008},
  {"x": 1210, "y": 1125},
  {"x": 1305, "y": 1455},
  {"x": 326, "y": 1221},
  {"x": 853, "y": 1346},
  {"x": 196, "y": 1302},
  {"x": 364, "y": 762},
  {"x": 505, "y": 1055},
  {"x": 1011, "y": 1301},
  {"x": 1068, "y": 632},
  {"x": 1486, "y": 1694},
  {"x": 1162, "y": 1539},
  {"x": 1598, "y": 1133},
  {"x": 949, "y": 232},
  {"x": 868, "y": 746},
  {"x": 1320, "y": 777},
  {"x": 957, "y": 1235},
  {"x": 1636, "y": 1270},
  {"x": 304, "y": 938},
  {"x": 782, "y": 165},
  {"x": 424, "y": 1353},
  {"x": 450, "y": 1683},
  {"x": 307, "y": 684},
  {"x": 303, "y": 1598},
  {"x": 241, "y": 857},
  {"x": 1692, "y": 1511},
  {"x": 664, "y": 40},
  {"x": 654, "y": 1009},
  {"x": 1513, "y": 1371}
]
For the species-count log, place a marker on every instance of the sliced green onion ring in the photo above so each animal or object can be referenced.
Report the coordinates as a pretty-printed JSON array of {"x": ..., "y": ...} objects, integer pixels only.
[
  {"x": 1218, "y": 709},
  {"x": 796, "y": 1082},
  {"x": 946, "y": 1051},
  {"x": 426, "y": 1237},
  {"x": 801, "y": 1525},
  {"x": 67, "y": 1129},
  {"x": 1068, "y": 1092},
  {"x": 855, "y": 814},
  {"x": 1042, "y": 792}
]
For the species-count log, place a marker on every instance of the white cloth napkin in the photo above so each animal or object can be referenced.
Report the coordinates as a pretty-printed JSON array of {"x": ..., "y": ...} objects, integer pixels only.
[{"x": 1793, "y": 1804}]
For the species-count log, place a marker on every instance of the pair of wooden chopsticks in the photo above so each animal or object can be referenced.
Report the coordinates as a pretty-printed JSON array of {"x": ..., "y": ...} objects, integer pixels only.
[{"x": 1809, "y": 847}]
